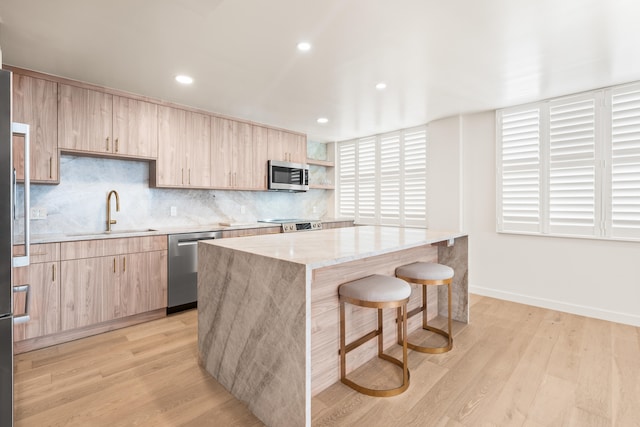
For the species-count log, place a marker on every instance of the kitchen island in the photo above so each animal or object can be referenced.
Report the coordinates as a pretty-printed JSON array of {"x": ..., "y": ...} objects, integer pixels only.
[{"x": 268, "y": 308}]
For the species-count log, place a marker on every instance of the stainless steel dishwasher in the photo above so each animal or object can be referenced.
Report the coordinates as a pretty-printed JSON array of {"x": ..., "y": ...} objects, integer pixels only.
[{"x": 182, "y": 289}]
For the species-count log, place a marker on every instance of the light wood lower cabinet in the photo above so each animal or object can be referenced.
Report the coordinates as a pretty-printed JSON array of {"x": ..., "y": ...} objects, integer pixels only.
[
  {"x": 98, "y": 288},
  {"x": 251, "y": 232},
  {"x": 44, "y": 300},
  {"x": 139, "y": 283},
  {"x": 83, "y": 291},
  {"x": 43, "y": 304}
]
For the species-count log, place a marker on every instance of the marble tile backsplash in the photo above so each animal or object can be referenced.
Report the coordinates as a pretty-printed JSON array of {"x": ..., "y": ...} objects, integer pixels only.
[{"x": 78, "y": 203}]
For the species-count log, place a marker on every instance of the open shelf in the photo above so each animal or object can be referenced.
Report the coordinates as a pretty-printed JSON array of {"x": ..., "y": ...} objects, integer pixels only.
[
  {"x": 322, "y": 187},
  {"x": 316, "y": 162}
]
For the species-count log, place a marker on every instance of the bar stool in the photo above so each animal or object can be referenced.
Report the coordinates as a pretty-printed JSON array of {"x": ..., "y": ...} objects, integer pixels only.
[
  {"x": 376, "y": 291},
  {"x": 426, "y": 274}
]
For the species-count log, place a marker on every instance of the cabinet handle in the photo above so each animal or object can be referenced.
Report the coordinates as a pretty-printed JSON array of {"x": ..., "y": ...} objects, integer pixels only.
[
  {"x": 114, "y": 265},
  {"x": 235, "y": 179},
  {"x": 53, "y": 272},
  {"x": 107, "y": 144},
  {"x": 182, "y": 175},
  {"x": 50, "y": 167},
  {"x": 116, "y": 145},
  {"x": 124, "y": 264},
  {"x": 189, "y": 176}
]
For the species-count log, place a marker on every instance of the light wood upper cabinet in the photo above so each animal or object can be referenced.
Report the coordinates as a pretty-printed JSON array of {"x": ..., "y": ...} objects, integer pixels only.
[
  {"x": 237, "y": 161},
  {"x": 84, "y": 120},
  {"x": 100, "y": 123},
  {"x": 184, "y": 149},
  {"x": 35, "y": 102},
  {"x": 286, "y": 146},
  {"x": 261, "y": 156},
  {"x": 135, "y": 127}
]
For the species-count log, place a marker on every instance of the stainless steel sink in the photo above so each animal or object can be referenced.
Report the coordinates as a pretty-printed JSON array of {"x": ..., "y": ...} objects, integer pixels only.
[{"x": 110, "y": 233}]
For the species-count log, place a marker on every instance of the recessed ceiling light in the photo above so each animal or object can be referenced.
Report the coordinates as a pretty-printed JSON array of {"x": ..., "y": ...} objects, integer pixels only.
[
  {"x": 381, "y": 86},
  {"x": 304, "y": 46},
  {"x": 323, "y": 120},
  {"x": 185, "y": 80}
]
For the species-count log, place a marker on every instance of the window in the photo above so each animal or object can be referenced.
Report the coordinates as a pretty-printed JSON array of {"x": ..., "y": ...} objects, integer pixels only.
[
  {"x": 382, "y": 179},
  {"x": 571, "y": 166}
]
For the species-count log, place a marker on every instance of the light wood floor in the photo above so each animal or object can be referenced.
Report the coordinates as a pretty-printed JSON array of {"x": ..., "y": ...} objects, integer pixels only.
[{"x": 514, "y": 365}]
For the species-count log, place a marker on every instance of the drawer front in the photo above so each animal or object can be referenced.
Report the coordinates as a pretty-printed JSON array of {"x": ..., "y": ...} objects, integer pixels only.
[
  {"x": 43, "y": 252},
  {"x": 111, "y": 247}
]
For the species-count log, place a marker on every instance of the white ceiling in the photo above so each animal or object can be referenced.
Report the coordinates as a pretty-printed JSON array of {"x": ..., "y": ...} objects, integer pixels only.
[{"x": 439, "y": 58}]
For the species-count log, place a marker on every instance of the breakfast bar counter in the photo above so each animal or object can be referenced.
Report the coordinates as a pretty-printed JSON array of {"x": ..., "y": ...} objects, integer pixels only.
[{"x": 268, "y": 308}]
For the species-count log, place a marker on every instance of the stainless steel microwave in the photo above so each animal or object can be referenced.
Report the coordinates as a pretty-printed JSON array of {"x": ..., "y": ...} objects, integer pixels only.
[{"x": 287, "y": 176}]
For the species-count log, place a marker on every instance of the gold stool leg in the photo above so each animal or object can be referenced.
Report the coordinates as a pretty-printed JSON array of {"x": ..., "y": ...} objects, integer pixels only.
[
  {"x": 426, "y": 327},
  {"x": 344, "y": 349},
  {"x": 343, "y": 352},
  {"x": 449, "y": 313}
]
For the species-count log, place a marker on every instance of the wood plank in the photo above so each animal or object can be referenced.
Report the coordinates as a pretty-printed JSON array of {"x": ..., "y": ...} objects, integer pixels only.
[{"x": 502, "y": 371}]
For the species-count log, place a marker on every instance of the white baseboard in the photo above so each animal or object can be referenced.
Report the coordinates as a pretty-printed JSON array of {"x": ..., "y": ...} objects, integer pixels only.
[{"x": 598, "y": 313}]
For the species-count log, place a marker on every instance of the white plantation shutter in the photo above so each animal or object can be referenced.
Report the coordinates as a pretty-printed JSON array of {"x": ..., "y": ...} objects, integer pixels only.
[
  {"x": 624, "y": 219},
  {"x": 390, "y": 169},
  {"x": 367, "y": 191},
  {"x": 519, "y": 170},
  {"x": 572, "y": 166},
  {"x": 382, "y": 179},
  {"x": 347, "y": 179},
  {"x": 415, "y": 176}
]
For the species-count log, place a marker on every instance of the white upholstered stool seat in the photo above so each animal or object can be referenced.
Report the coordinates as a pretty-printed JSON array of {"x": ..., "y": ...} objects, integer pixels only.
[
  {"x": 425, "y": 271},
  {"x": 376, "y": 288},
  {"x": 376, "y": 291},
  {"x": 427, "y": 274}
]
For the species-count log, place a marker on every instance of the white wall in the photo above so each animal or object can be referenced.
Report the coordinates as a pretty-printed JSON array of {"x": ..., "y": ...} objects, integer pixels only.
[
  {"x": 444, "y": 203},
  {"x": 590, "y": 277}
]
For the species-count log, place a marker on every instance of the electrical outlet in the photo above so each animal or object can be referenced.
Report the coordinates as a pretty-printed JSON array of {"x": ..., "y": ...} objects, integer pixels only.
[
  {"x": 243, "y": 210},
  {"x": 38, "y": 213},
  {"x": 315, "y": 209},
  {"x": 174, "y": 211}
]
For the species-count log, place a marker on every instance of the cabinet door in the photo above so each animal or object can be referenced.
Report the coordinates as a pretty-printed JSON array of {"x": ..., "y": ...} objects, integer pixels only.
[
  {"x": 143, "y": 282},
  {"x": 88, "y": 291},
  {"x": 249, "y": 162},
  {"x": 84, "y": 120},
  {"x": 135, "y": 128},
  {"x": 222, "y": 152},
  {"x": 35, "y": 102},
  {"x": 198, "y": 151},
  {"x": 296, "y": 146},
  {"x": 287, "y": 146},
  {"x": 276, "y": 145},
  {"x": 44, "y": 302},
  {"x": 172, "y": 129},
  {"x": 260, "y": 148}
]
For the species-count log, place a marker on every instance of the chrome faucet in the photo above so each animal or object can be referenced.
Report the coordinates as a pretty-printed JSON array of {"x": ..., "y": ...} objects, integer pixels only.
[{"x": 109, "y": 220}]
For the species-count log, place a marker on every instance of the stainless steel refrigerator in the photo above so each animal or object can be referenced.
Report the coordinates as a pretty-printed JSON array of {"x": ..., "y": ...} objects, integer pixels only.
[{"x": 8, "y": 213}]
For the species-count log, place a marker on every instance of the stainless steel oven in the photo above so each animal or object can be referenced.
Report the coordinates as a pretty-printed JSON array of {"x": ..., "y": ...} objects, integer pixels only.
[{"x": 182, "y": 289}]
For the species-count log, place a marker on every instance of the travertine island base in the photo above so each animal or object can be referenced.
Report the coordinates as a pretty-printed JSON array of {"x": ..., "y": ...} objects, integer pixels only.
[{"x": 268, "y": 308}]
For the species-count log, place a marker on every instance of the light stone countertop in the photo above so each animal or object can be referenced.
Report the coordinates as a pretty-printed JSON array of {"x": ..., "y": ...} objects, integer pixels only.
[
  {"x": 322, "y": 248},
  {"x": 151, "y": 231}
]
